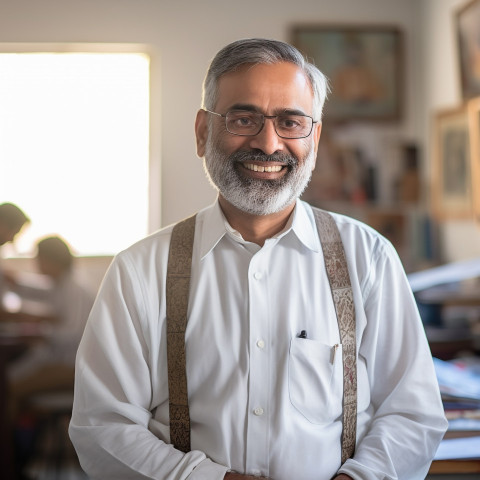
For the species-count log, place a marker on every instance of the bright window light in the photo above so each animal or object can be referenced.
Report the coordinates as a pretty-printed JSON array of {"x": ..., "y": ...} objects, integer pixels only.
[{"x": 74, "y": 147}]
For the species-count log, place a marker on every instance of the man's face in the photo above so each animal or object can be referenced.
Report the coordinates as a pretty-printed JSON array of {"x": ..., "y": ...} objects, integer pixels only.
[{"x": 262, "y": 174}]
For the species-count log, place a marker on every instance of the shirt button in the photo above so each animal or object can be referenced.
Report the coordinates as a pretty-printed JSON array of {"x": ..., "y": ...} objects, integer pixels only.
[
  {"x": 258, "y": 411},
  {"x": 257, "y": 275},
  {"x": 261, "y": 344}
]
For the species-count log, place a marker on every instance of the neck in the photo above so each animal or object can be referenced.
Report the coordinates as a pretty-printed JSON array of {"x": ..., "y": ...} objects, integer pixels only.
[{"x": 255, "y": 228}]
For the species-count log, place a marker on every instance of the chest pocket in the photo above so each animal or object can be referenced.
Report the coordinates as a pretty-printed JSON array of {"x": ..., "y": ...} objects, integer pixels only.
[{"x": 315, "y": 379}]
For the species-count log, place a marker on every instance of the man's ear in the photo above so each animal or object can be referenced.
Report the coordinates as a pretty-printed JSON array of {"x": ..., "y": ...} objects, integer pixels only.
[
  {"x": 317, "y": 130},
  {"x": 201, "y": 132}
]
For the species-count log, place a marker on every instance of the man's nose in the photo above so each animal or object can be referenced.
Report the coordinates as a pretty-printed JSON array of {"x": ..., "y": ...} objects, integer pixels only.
[{"x": 267, "y": 140}]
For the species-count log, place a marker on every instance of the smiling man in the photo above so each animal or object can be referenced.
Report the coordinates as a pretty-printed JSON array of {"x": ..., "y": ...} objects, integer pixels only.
[
  {"x": 260, "y": 162},
  {"x": 296, "y": 353}
]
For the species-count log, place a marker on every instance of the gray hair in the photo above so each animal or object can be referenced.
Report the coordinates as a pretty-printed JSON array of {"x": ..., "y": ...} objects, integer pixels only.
[{"x": 263, "y": 51}]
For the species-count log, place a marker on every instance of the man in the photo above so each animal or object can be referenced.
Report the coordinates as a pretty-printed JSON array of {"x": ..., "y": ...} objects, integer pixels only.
[
  {"x": 12, "y": 220},
  {"x": 264, "y": 380},
  {"x": 46, "y": 367},
  {"x": 49, "y": 366}
]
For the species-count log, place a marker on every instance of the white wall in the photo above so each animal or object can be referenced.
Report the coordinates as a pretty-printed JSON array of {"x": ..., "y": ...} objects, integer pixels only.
[
  {"x": 184, "y": 35},
  {"x": 441, "y": 88}
]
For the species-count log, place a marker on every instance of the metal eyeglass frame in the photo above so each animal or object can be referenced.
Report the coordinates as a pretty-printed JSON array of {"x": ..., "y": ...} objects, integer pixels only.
[{"x": 273, "y": 117}]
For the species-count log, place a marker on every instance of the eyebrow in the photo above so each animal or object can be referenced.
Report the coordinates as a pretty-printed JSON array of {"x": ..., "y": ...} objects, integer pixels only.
[{"x": 252, "y": 108}]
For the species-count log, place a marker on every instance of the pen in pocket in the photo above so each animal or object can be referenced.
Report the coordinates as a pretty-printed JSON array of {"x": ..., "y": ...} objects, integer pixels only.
[{"x": 334, "y": 352}]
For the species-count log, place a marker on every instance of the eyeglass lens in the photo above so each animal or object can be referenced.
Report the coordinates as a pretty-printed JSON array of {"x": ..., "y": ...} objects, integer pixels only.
[{"x": 247, "y": 123}]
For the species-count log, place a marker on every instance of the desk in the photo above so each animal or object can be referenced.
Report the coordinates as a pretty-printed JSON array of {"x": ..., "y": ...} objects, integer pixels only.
[
  {"x": 449, "y": 298},
  {"x": 456, "y": 467},
  {"x": 15, "y": 339}
]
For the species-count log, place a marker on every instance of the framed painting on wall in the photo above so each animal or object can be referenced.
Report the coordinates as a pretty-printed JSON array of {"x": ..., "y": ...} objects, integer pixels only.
[
  {"x": 467, "y": 21},
  {"x": 363, "y": 65},
  {"x": 451, "y": 188},
  {"x": 474, "y": 132}
]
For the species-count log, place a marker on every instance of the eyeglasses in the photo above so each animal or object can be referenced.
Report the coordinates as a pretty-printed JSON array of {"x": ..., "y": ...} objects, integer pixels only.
[{"x": 249, "y": 124}]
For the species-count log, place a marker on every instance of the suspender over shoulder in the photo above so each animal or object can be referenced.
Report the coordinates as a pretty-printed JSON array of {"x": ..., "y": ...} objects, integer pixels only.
[
  {"x": 177, "y": 290},
  {"x": 339, "y": 278}
]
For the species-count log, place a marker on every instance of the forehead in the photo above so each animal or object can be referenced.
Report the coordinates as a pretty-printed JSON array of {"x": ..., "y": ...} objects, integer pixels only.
[{"x": 269, "y": 87}]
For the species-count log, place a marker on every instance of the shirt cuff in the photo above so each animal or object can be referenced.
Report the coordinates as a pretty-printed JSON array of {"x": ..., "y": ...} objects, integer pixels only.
[
  {"x": 356, "y": 470},
  {"x": 208, "y": 470}
]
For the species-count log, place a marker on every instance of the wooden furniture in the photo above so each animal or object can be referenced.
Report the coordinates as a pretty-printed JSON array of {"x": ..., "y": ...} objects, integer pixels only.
[
  {"x": 454, "y": 467},
  {"x": 10, "y": 348},
  {"x": 15, "y": 339}
]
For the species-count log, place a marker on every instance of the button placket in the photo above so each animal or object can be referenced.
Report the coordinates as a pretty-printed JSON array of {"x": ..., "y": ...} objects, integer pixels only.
[{"x": 259, "y": 314}]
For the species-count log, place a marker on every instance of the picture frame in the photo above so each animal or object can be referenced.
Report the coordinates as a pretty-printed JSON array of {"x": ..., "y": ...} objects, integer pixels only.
[
  {"x": 467, "y": 22},
  {"x": 451, "y": 176},
  {"x": 364, "y": 65},
  {"x": 474, "y": 132}
]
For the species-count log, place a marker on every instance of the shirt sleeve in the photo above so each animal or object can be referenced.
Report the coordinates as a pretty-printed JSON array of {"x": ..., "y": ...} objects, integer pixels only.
[
  {"x": 408, "y": 415},
  {"x": 112, "y": 406}
]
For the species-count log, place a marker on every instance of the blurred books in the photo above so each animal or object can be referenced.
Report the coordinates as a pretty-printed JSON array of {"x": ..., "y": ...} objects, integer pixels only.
[
  {"x": 459, "y": 382},
  {"x": 459, "y": 449}
]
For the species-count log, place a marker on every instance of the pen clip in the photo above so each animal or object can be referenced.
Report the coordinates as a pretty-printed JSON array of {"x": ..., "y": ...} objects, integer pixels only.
[
  {"x": 303, "y": 334},
  {"x": 334, "y": 352}
]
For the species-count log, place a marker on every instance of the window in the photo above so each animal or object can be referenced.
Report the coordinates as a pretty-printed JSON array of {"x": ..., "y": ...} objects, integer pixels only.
[{"x": 74, "y": 147}]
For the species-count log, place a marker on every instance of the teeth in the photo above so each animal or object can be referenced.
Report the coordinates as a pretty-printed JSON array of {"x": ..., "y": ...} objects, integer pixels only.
[{"x": 259, "y": 168}]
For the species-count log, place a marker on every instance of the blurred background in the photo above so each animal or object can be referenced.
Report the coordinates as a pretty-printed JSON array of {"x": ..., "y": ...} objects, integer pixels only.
[
  {"x": 97, "y": 106},
  {"x": 60, "y": 157}
]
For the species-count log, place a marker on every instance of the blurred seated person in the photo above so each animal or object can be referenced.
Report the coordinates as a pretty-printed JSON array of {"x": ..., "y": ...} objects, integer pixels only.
[
  {"x": 12, "y": 220},
  {"x": 49, "y": 365}
]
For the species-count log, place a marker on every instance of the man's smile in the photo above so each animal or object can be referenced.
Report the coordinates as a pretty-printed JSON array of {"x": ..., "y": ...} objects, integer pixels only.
[{"x": 261, "y": 168}]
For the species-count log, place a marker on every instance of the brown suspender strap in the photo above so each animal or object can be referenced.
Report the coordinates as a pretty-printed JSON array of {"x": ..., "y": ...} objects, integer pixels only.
[
  {"x": 177, "y": 291},
  {"x": 339, "y": 278},
  {"x": 178, "y": 287}
]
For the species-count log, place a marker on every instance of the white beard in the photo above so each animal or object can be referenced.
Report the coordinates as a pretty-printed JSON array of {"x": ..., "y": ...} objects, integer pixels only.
[{"x": 257, "y": 197}]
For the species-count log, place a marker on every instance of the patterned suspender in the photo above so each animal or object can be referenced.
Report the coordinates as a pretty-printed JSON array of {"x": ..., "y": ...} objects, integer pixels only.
[
  {"x": 178, "y": 284},
  {"x": 339, "y": 278},
  {"x": 178, "y": 287}
]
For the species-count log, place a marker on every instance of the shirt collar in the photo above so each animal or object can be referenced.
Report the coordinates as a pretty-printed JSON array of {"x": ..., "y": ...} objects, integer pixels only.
[
  {"x": 213, "y": 228},
  {"x": 302, "y": 224}
]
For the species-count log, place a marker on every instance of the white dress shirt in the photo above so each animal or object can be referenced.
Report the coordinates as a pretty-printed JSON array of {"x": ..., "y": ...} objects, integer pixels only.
[{"x": 262, "y": 400}]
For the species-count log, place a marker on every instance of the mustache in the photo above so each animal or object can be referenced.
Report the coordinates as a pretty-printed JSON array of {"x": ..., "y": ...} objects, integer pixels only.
[{"x": 259, "y": 156}]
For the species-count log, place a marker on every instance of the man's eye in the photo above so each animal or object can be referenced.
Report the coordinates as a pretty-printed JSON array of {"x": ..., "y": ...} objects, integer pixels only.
[
  {"x": 290, "y": 123},
  {"x": 244, "y": 121}
]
